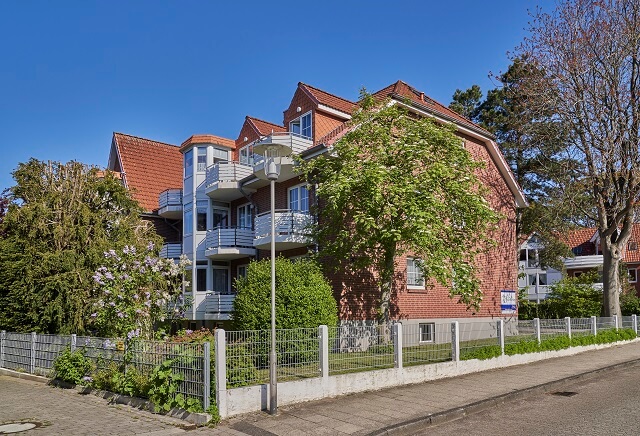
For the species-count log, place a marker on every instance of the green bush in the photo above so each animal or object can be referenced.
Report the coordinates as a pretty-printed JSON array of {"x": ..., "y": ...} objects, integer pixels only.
[
  {"x": 163, "y": 390},
  {"x": 304, "y": 300},
  {"x": 241, "y": 369},
  {"x": 71, "y": 367},
  {"x": 482, "y": 353},
  {"x": 304, "y": 297},
  {"x": 629, "y": 303}
]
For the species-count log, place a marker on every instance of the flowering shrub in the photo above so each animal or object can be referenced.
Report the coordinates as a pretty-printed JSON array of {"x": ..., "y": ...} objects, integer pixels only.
[{"x": 136, "y": 291}]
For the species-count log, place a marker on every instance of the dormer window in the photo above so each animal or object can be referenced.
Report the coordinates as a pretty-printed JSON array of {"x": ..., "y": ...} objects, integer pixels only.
[
  {"x": 246, "y": 155},
  {"x": 302, "y": 125}
]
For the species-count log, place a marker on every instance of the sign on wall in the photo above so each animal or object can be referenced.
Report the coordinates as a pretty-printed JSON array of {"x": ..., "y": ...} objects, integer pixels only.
[{"x": 508, "y": 301}]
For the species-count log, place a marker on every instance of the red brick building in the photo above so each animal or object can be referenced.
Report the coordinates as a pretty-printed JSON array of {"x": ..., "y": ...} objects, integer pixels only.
[{"x": 224, "y": 205}]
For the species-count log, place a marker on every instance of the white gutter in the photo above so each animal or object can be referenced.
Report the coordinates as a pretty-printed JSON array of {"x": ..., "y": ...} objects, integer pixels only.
[{"x": 332, "y": 111}]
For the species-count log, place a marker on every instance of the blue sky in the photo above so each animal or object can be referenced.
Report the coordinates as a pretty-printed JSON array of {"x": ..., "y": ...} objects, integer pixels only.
[{"x": 71, "y": 73}]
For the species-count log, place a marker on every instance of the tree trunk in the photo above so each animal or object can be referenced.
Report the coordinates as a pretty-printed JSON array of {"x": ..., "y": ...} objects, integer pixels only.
[
  {"x": 611, "y": 279},
  {"x": 386, "y": 283}
]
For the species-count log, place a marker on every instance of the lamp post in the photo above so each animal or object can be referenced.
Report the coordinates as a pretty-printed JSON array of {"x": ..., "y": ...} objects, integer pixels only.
[{"x": 272, "y": 153}]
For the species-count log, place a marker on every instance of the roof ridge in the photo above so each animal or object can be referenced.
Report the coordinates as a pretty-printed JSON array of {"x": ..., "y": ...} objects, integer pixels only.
[
  {"x": 326, "y": 92},
  {"x": 263, "y": 121},
  {"x": 144, "y": 139}
]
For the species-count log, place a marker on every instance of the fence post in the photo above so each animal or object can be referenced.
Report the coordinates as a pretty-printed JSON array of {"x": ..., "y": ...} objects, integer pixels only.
[
  {"x": 536, "y": 325},
  {"x": 567, "y": 322},
  {"x": 3, "y": 338},
  {"x": 221, "y": 372},
  {"x": 206, "y": 369},
  {"x": 501, "y": 335},
  {"x": 455, "y": 341},
  {"x": 594, "y": 326},
  {"x": 323, "y": 336},
  {"x": 73, "y": 342},
  {"x": 634, "y": 323},
  {"x": 615, "y": 321},
  {"x": 32, "y": 363},
  {"x": 397, "y": 344}
]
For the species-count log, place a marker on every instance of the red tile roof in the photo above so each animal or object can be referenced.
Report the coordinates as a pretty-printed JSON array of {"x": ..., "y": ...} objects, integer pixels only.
[
  {"x": 582, "y": 238},
  {"x": 149, "y": 167},
  {"x": 264, "y": 127},
  {"x": 402, "y": 89},
  {"x": 208, "y": 139},
  {"x": 327, "y": 99}
]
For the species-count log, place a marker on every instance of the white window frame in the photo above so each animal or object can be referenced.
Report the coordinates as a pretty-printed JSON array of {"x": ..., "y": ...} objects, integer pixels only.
[
  {"x": 206, "y": 279},
  {"x": 415, "y": 276},
  {"x": 201, "y": 167},
  {"x": 297, "y": 188},
  {"x": 188, "y": 220},
  {"x": 635, "y": 275},
  {"x": 632, "y": 246},
  {"x": 239, "y": 274},
  {"x": 298, "y": 122},
  {"x": 431, "y": 331},
  {"x": 247, "y": 151},
  {"x": 204, "y": 204},
  {"x": 249, "y": 208},
  {"x": 188, "y": 163}
]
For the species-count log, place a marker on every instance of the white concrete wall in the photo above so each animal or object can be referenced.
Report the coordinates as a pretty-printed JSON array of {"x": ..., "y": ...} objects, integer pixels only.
[{"x": 255, "y": 398}]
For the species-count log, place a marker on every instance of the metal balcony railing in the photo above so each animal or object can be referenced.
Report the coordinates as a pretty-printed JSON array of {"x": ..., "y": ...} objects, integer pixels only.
[
  {"x": 297, "y": 142},
  {"x": 287, "y": 222},
  {"x": 219, "y": 303},
  {"x": 171, "y": 250},
  {"x": 226, "y": 237},
  {"x": 227, "y": 172},
  {"x": 170, "y": 197}
]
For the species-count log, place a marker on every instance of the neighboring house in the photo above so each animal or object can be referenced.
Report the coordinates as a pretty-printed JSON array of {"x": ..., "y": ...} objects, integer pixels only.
[
  {"x": 585, "y": 245},
  {"x": 224, "y": 205}
]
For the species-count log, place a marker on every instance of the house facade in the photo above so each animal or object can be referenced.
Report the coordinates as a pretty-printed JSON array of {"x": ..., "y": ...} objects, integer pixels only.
[
  {"x": 587, "y": 256},
  {"x": 220, "y": 209}
]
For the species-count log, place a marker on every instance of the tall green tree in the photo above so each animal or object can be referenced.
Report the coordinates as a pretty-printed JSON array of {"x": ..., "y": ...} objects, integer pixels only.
[
  {"x": 395, "y": 184},
  {"x": 588, "y": 54},
  {"x": 61, "y": 220}
]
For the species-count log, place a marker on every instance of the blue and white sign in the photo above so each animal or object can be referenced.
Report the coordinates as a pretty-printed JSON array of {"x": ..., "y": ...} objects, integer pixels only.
[{"x": 508, "y": 301}]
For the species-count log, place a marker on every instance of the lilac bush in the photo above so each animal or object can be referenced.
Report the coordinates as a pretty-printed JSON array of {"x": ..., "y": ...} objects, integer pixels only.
[{"x": 137, "y": 291}]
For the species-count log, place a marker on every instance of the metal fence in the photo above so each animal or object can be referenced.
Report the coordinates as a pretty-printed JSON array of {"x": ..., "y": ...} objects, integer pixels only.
[
  {"x": 360, "y": 346},
  {"x": 475, "y": 335},
  {"x": 517, "y": 330},
  {"x": 35, "y": 354},
  {"x": 550, "y": 328},
  {"x": 426, "y": 343}
]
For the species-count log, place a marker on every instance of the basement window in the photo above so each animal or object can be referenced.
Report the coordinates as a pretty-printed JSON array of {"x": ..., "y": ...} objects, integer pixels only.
[{"x": 427, "y": 332}]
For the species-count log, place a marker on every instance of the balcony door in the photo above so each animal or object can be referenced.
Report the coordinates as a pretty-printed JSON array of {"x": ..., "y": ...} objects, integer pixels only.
[
  {"x": 220, "y": 280},
  {"x": 220, "y": 217}
]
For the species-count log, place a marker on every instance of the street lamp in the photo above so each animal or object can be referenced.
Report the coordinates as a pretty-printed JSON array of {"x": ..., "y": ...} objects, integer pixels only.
[{"x": 273, "y": 153}]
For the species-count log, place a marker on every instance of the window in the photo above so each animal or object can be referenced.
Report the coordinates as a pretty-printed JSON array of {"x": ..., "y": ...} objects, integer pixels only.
[
  {"x": 188, "y": 162},
  {"x": 632, "y": 246},
  {"x": 302, "y": 125},
  {"x": 188, "y": 219},
  {"x": 189, "y": 280},
  {"x": 202, "y": 159},
  {"x": 538, "y": 279},
  {"x": 415, "y": 277},
  {"x": 246, "y": 155},
  {"x": 242, "y": 271},
  {"x": 221, "y": 280},
  {"x": 201, "y": 279},
  {"x": 577, "y": 250},
  {"x": 532, "y": 256},
  {"x": 220, "y": 217},
  {"x": 577, "y": 273},
  {"x": 633, "y": 275},
  {"x": 245, "y": 216},
  {"x": 523, "y": 255},
  {"x": 220, "y": 154},
  {"x": 427, "y": 332},
  {"x": 299, "y": 198},
  {"x": 201, "y": 218}
]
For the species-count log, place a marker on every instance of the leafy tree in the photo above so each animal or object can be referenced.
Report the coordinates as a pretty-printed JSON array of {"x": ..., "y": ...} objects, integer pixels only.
[
  {"x": 588, "y": 54},
  {"x": 304, "y": 298},
  {"x": 395, "y": 184},
  {"x": 61, "y": 219}
]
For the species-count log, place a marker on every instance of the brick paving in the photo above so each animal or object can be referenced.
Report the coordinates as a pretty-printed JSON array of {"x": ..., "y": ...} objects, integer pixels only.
[{"x": 67, "y": 412}]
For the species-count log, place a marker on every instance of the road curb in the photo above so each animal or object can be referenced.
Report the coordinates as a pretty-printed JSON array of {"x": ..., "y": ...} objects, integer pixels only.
[{"x": 421, "y": 422}]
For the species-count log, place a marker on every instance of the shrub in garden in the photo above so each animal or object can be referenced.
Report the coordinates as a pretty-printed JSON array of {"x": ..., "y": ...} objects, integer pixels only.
[
  {"x": 72, "y": 366},
  {"x": 304, "y": 299},
  {"x": 136, "y": 291}
]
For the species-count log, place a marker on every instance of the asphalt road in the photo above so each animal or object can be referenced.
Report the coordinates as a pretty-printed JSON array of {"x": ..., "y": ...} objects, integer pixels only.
[{"x": 607, "y": 404}]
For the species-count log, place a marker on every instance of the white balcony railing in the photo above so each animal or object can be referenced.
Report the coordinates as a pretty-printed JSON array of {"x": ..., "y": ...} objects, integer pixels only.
[
  {"x": 287, "y": 222},
  {"x": 171, "y": 251},
  {"x": 295, "y": 141},
  {"x": 226, "y": 237},
  {"x": 170, "y": 197},
  {"x": 219, "y": 303},
  {"x": 227, "y": 172}
]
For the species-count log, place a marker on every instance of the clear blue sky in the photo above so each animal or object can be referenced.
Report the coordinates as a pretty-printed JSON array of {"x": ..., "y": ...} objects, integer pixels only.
[{"x": 71, "y": 73}]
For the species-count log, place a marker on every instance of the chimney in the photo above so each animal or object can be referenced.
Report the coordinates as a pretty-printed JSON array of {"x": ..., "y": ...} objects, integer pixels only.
[{"x": 422, "y": 96}]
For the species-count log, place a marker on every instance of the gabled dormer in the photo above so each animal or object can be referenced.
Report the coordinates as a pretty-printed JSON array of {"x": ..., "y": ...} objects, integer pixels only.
[
  {"x": 313, "y": 112},
  {"x": 252, "y": 130}
]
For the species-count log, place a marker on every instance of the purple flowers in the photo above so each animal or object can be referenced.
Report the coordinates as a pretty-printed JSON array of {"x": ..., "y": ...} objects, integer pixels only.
[
  {"x": 94, "y": 315},
  {"x": 150, "y": 246},
  {"x": 120, "y": 315},
  {"x": 133, "y": 334}
]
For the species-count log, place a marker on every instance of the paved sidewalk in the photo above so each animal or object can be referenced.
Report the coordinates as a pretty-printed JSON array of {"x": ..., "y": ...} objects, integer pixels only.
[{"x": 403, "y": 409}]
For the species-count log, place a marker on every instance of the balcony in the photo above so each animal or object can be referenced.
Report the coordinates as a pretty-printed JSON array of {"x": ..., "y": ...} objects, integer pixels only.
[
  {"x": 170, "y": 204},
  {"x": 223, "y": 180},
  {"x": 218, "y": 306},
  {"x": 296, "y": 142},
  {"x": 292, "y": 230},
  {"x": 171, "y": 250},
  {"x": 228, "y": 243}
]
